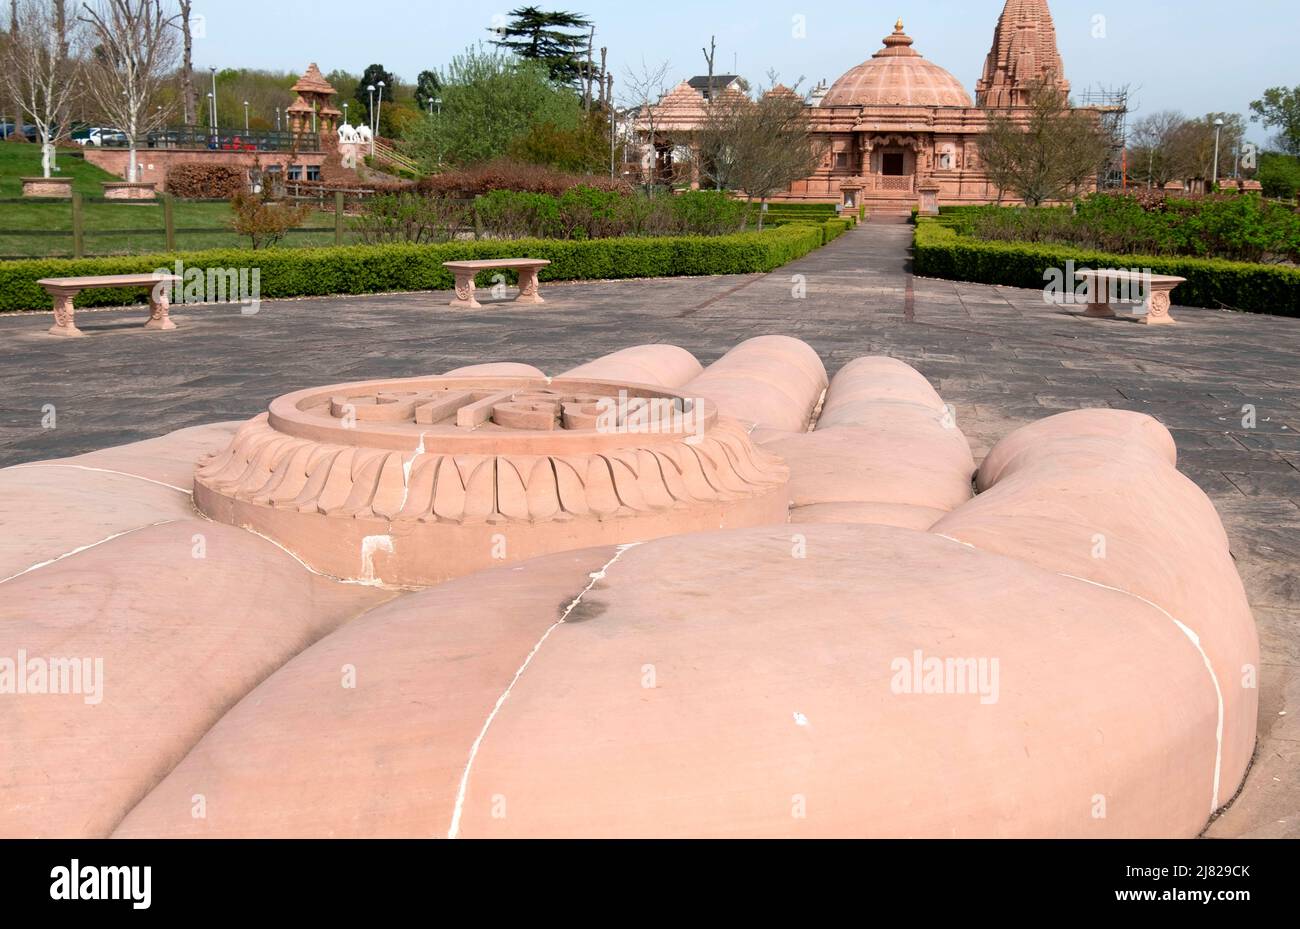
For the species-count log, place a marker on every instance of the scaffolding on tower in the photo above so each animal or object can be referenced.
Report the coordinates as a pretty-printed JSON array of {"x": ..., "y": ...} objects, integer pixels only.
[{"x": 1111, "y": 104}]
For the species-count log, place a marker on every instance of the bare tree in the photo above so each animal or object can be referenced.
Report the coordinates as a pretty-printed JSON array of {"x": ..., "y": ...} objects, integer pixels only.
[
  {"x": 1153, "y": 149},
  {"x": 189, "y": 104},
  {"x": 775, "y": 145},
  {"x": 41, "y": 71},
  {"x": 645, "y": 88},
  {"x": 135, "y": 56},
  {"x": 1045, "y": 151},
  {"x": 719, "y": 143},
  {"x": 1194, "y": 145}
]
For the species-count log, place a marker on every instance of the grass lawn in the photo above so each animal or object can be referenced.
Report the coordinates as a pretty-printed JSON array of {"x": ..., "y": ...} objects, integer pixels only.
[{"x": 114, "y": 228}]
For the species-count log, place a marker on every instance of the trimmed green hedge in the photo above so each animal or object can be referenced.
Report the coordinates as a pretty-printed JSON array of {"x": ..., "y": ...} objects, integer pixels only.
[
  {"x": 359, "y": 269},
  {"x": 830, "y": 230},
  {"x": 940, "y": 251}
]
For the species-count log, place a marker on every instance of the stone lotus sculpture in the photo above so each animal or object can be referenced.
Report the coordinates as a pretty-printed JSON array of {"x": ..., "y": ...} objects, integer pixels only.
[{"x": 1066, "y": 653}]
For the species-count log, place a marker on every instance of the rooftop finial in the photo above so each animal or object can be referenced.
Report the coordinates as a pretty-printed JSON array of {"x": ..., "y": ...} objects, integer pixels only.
[{"x": 898, "y": 26}]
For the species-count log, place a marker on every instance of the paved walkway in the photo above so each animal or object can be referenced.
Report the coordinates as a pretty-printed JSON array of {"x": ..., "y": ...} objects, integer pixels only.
[{"x": 1000, "y": 355}]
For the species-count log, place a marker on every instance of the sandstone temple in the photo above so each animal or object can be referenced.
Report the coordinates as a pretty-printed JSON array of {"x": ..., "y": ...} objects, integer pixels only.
[{"x": 898, "y": 130}]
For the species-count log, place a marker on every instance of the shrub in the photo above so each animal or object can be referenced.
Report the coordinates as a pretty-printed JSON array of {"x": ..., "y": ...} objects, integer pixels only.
[
  {"x": 584, "y": 212},
  {"x": 708, "y": 212},
  {"x": 358, "y": 269},
  {"x": 409, "y": 217},
  {"x": 195, "y": 181},
  {"x": 505, "y": 174},
  {"x": 940, "y": 251},
  {"x": 1232, "y": 227},
  {"x": 510, "y": 214},
  {"x": 264, "y": 221}
]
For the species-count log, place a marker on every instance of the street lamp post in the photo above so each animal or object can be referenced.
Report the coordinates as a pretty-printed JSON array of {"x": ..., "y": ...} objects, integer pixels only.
[
  {"x": 379, "y": 109},
  {"x": 277, "y": 119},
  {"x": 345, "y": 113},
  {"x": 370, "y": 88},
  {"x": 245, "y": 116},
  {"x": 213, "y": 95},
  {"x": 212, "y": 115},
  {"x": 1218, "y": 129}
]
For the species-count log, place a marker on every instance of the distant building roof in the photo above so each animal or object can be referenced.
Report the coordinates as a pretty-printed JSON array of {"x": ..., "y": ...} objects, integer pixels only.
[{"x": 701, "y": 82}]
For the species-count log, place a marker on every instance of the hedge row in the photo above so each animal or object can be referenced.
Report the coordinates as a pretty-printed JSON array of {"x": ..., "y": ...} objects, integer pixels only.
[
  {"x": 359, "y": 269},
  {"x": 830, "y": 230},
  {"x": 1257, "y": 288}
]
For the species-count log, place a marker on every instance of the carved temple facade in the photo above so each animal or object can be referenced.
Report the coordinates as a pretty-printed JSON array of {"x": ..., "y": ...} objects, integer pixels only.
[{"x": 898, "y": 130}]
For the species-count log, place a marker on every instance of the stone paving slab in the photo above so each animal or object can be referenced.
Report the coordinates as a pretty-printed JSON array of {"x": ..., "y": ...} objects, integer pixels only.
[{"x": 1001, "y": 356}]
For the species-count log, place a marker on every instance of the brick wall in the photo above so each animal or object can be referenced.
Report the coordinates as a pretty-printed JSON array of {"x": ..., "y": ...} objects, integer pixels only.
[{"x": 155, "y": 162}]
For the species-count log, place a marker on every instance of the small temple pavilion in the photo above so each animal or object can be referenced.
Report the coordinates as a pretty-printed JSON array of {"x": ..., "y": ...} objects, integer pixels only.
[{"x": 314, "y": 110}]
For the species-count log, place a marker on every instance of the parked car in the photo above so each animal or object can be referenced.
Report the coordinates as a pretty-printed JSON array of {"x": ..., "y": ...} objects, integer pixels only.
[
  {"x": 100, "y": 136},
  {"x": 27, "y": 131}
]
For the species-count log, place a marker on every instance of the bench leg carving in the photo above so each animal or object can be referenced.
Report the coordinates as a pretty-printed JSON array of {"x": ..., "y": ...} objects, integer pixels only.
[
  {"x": 159, "y": 310},
  {"x": 65, "y": 316},
  {"x": 465, "y": 292},
  {"x": 1158, "y": 309},
  {"x": 1102, "y": 310},
  {"x": 528, "y": 287}
]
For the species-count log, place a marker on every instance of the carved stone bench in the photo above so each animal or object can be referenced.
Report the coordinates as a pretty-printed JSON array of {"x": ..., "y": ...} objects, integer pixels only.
[
  {"x": 465, "y": 271},
  {"x": 65, "y": 289},
  {"x": 1153, "y": 290}
]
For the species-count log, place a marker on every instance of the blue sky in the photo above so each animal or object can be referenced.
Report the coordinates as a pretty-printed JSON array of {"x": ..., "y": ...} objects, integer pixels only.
[{"x": 1194, "y": 55}]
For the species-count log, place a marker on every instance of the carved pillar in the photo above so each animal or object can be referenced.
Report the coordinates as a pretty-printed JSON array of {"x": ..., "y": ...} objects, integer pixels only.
[
  {"x": 1158, "y": 309},
  {"x": 528, "y": 287},
  {"x": 159, "y": 309},
  {"x": 465, "y": 291},
  {"x": 65, "y": 323}
]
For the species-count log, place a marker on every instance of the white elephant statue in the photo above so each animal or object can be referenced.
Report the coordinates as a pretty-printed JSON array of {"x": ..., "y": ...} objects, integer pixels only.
[
  {"x": 364, "y": 134},
  {"x": 348, "y": 134}
]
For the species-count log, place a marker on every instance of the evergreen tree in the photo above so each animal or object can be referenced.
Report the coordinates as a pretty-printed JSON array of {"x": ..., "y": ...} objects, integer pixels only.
[
  {"x": 427, "y": 87},
  {"x": 372, "y": 76},
  {"x": 546, "y": 36}
]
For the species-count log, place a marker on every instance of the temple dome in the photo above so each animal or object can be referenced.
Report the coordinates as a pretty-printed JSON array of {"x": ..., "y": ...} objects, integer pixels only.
[{"x": 897, "y": 75}]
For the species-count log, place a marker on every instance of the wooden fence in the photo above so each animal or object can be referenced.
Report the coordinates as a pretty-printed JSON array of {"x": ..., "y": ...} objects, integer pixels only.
[{"x": 78, "y": 234}]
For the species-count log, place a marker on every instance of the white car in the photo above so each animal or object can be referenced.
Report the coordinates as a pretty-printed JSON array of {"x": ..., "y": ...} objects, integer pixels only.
[{"x": 99, "y": 136}]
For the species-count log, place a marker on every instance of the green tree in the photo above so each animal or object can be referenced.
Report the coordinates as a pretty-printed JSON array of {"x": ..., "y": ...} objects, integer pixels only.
[
  {"x": 582, "y": 149},
  {"x": 1280, "y": 109},
  {"x": 374, "y": 76},
  {"x": 547, "y": 36},
  {"x": 488, "y": 101},
  {"x": 427, "y": 88},
  {"x": 1279, "y": 174}
]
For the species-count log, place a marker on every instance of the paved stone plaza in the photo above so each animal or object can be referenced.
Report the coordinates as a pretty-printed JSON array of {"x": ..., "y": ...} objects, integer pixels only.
[{"x": 1000, "y": 356}]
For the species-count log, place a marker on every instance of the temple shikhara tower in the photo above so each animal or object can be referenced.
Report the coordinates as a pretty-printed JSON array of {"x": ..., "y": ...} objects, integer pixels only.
[
  {"x": 899, "y": 131},
  {"x": 1024, "y": 52}
]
